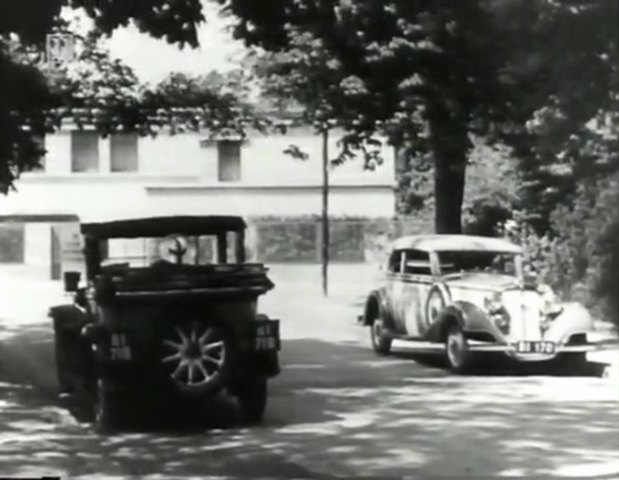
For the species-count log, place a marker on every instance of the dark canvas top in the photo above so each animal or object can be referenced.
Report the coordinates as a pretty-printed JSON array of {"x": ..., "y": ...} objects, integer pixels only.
[{"x": 162, "y": 226}]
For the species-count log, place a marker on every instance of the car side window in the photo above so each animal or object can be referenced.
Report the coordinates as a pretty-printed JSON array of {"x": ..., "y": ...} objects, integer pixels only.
[
  {"x": 395, "y": 261},
  {"x": 417, "y": 263}
]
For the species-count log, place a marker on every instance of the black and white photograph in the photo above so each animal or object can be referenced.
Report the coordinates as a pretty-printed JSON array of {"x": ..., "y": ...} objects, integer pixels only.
[{"x": 298, "y": 239}]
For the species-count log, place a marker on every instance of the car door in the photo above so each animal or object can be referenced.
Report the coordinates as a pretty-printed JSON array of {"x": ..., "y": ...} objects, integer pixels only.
[
  {"x": 395, "y": 289},
  {"x": 417, "y": 282}
]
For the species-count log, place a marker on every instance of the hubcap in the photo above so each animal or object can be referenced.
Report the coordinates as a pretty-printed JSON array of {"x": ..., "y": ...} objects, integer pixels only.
[{"x": 197, "y": 358}]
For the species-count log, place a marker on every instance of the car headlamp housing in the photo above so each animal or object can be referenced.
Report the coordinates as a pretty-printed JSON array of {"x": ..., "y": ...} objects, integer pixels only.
[
  {"x": 493, "y": 305},
  {"x": 550, "y": 308}
]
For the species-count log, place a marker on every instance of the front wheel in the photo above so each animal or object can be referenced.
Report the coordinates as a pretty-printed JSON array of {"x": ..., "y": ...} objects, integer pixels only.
[
  {"x": 252, "y": 397},
  {"x": 457, "y": 353},
  {"x": 380, "y": 341}
]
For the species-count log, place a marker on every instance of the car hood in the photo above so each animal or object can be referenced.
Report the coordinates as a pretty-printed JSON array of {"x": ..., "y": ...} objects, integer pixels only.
[{"x": 485, "y": 281}]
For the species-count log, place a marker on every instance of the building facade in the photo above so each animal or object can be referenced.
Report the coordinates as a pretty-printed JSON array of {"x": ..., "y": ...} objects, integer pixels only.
[{"x": 89, "y": 178}]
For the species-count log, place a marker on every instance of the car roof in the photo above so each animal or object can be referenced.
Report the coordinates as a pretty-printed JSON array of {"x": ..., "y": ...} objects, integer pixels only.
[
  {"x": 457, "y": 243},
  {"x": 163, "y": 226}
]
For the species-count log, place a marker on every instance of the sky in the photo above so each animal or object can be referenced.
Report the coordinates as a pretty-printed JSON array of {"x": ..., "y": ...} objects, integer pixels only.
[{"x": 153, "y": 59}]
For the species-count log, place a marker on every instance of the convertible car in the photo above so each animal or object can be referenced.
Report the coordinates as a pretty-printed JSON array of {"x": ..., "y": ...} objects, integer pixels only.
[{"x": 459, "y": 295}]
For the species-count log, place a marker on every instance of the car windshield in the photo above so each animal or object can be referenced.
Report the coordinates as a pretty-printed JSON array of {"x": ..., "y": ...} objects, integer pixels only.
[
  {"x": 143, "y": 252},
  {"x": 493, "y": 262}
]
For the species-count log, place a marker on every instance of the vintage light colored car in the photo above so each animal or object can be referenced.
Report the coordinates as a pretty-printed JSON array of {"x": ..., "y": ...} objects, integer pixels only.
[{"x": 460, "y": 294}]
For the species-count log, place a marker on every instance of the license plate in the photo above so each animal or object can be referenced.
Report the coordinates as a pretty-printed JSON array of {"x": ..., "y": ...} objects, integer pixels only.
[
  {"x": 120, "y": 350},
  {"x": 267, "y": 336},
  {"x": 535, "y": 347}
]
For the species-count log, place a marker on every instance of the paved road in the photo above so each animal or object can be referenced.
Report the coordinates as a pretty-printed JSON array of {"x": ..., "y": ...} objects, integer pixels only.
[{"x": 337, "y": 410}]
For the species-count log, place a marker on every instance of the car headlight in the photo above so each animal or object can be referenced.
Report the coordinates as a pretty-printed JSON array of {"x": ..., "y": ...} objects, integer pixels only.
[
  {"x": 493, "y": 302},
  {"x": 550, "y": 307},
  {"x": 493, "y": 305}
]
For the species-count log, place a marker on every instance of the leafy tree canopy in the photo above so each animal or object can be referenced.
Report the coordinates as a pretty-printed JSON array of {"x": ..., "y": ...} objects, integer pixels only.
[
  {"x": 436, "y": 72},
  {"x": 96, "y": 89}
]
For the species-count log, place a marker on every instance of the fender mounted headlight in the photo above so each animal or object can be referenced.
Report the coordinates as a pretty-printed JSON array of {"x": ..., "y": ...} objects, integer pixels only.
[{"x": 493, "y": 305}]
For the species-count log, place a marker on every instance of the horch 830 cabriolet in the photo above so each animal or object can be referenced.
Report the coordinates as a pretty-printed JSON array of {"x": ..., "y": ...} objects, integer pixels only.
[{"x": 461, "y": 295}]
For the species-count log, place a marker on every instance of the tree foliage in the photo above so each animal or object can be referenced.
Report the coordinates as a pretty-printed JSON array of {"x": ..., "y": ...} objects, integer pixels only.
[
  {"x": 436, "y": 72},
  {"x": 98, "y": 90}
]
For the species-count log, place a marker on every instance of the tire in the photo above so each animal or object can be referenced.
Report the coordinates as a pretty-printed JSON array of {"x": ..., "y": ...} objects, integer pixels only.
[
  {"x": 380, "y": 342},
  {"x": 198, "y": 357},
  {"x": 252, "y": 397},
  {"x": 457, "y": 353},
  {"x": 576, "y": 364},
  {"x": 111, "y": 410}
]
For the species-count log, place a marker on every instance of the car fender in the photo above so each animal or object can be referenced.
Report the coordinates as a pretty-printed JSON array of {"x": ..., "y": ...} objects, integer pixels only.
[
  {"x": 574, "y": 318},
  {"x": 377, "y": 299},
  {"x": 468, "y": 316},
  {"x": 73, "y": 355},
  {"x": 68, "y": 317}
]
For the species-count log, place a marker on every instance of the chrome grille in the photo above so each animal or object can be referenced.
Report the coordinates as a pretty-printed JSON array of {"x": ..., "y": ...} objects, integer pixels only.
[{"x": 524, "y": 308}]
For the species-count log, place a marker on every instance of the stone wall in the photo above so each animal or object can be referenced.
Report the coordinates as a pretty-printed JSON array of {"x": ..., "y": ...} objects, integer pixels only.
[{"x": 299, "y": 239}]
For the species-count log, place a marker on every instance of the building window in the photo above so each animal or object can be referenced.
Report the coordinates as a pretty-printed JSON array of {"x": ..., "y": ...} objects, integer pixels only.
[
  {"x": 124, "y": 152},
  {"x": 229, "y": 158},
  {"x": 84, "y": 151}
]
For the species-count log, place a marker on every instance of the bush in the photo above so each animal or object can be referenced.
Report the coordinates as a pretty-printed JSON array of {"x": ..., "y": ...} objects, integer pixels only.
[{"x": 581, "y": 249}]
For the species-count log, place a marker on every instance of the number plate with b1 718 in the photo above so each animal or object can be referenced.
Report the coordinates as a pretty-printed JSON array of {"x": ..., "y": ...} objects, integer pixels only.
[
  {"x": 120, "y": 350},
  {"x": 267, "y": 336}
]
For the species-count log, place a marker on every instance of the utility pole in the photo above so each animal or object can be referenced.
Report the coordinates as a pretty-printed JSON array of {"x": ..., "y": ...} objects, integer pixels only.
[{"x": 325, "y": 210}]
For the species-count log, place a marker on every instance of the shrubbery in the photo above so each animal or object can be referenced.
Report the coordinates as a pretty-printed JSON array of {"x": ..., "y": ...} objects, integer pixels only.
[
  {"x": 580, "y": 251},
  {"x": 581, "y": 248}
]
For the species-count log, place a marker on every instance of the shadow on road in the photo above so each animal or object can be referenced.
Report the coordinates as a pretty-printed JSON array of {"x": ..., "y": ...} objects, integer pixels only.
[{"x": 337, "y": 409}]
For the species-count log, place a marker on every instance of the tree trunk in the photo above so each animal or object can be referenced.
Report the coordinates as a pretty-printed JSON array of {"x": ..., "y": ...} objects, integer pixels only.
[
  {"x": 450, "y": 145},
  {"x": 325, "y": 212},
  {"x": 449, "y": 179}
]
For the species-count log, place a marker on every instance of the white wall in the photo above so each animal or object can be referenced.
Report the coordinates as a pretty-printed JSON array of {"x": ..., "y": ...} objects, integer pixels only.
[
  {"x": 93, "y": 198},
  {"x": 262, "y": 158},
  {"x": 37, "y": 244},
  {"x": 369, "y": 201},
  {"x": 179, "y": 176}
]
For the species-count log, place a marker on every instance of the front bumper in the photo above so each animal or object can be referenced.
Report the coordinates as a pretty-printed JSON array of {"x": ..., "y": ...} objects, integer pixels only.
[{"x": 511, "y": 348}]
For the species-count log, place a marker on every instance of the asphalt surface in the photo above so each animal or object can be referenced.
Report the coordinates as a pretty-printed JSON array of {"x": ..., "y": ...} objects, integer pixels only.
[{"x": 337, "y": 410}]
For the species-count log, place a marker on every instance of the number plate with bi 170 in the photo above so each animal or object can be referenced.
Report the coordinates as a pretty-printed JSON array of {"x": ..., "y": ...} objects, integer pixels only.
[
  {"x": 267, "y": 336},
  {"x": 535, "y": 347}
]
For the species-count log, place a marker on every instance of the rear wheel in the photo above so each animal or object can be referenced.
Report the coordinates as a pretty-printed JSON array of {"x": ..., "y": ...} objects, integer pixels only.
[
  {"x": 378, "y": 332},
  {"x": 111, "y": 408},
  {"x": 457, "y": 353},
  {"x": 198, "y": 357},
  {"x": 577, "y": 364},
  {"x": 252, "y": 397}
]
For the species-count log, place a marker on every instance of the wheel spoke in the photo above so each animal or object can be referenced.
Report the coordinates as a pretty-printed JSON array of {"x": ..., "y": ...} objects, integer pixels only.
[
  {"x": 194, "y": 334},
  {"x": 181, "y": 335},
  {"x": 172, "y": 344},
  {"x": 211, "y": 346},
  {"x": 213, "y": 360},
  {"x": 170, "y": 358},
  {"x": 207, "y": 333},
  {"x": 200, "y": 366},
  {"x": 191, "y": 372},
  {"x": 181, "y": 366}
]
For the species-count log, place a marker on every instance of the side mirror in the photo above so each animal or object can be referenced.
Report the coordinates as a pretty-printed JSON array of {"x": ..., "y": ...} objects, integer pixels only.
[{"x": 71, "y": 281}]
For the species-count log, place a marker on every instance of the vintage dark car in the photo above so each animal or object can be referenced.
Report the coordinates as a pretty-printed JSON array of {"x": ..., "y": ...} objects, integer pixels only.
[
  {"x": 175, "y": 319},
  {"x": 459, "y": 295}
]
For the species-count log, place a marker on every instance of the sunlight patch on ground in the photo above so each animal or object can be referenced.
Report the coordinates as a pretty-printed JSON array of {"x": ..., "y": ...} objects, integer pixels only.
[
  {"x": 305, "y": 366},
  {"x": 32, "y": 425},
  {"x": 589, "y": 469},
  {"x": 311, "y": 428},
  {"x": 520, "y": 444},
  {"x": 356, "y": 420}
]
